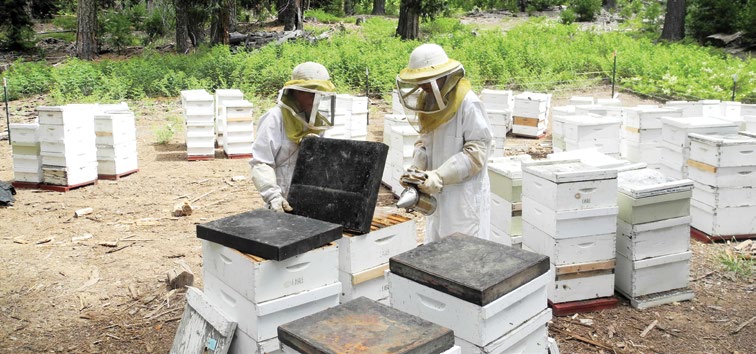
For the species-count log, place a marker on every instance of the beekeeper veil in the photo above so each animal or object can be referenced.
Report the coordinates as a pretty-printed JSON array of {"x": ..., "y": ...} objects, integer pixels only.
[
  {"x": 311, "y": 78},
  {"x": 432, "y": 86}
]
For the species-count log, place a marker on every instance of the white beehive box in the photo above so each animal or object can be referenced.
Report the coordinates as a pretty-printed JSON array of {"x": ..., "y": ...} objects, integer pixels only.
[
  {"x": 649, "y": 153},
  {"x": 722, "y": 177},
  {"x": 531, "y": 105},
  {"x": 563, "y": 251},
  {"x": 652, "y": 275},
  {"x": 653, "y": 239},
  {"x": 505, "y": 175},
  {"x": 586, "y": 128},
  {"x": 112, "y": 152},
  {"x": 529, "y": 127},
  {"x": 607, "y": 146},
  {"x": 582, "y": 100},
  {"x": 370, "y": 283},
  {"x": 27, "y": 168},
  {"x": 601, "y": 110},
  {"x": 562, "y": 185},
  {"x": 118, "y": 165},
  {"x": 572, "y": 223},
  {"x": 688, "y": 109},
  {"x": 361, "y": 252},
  {"x": 675, "y": 159},
  {"x": 197, "y": 101},
  {"x": 69, "y": 175},
  {"x": 583, "y": 281},
  {"x": 259, "y": 280},
  {"x": 115, "y": 123},
  {"x": 613, "y": 102},
  {"x": 200, "y": 119},
  {"x": 723, "y": 221},
  {"x": 647, "y": 195},
  {"x": 234, "y": 112},
  {"x": 594, "y": 158},
  {"x": 502, "y": 237},
  {"x": 396, "y": 105},
  {"x": 648, "y": 117},
  {"x": 222, "y": 97},
  {"x": 244, "y": 344},
  {"x": 675, "y": 130},
  {"x": 642, "y": 136},
  {"x": 561, "y": 111},
  {"x": 73, "y": 115},
  {"x": 722, "y": 197},
  {"x": 476, "y": 324},
  {"x": 723, "y": 150},
  {"x": 497, "y": 100},
  {"x": 261, "y": 320},
  {"x": 530, "y": 337},
  {"x": 506, "y": 216},
  {"x": 750, "y": 123},
  {"x": 24, "y": 134},
  {"x": 711, "y": 108}
]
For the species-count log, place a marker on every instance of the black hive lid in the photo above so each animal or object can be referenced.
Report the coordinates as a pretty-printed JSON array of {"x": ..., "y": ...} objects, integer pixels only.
[
  {"x": 364, "y": 325},
  {"x": 337, "y": 180},
  {"x": 472, "y": 269},
  {"x": 268, "y": 234}
]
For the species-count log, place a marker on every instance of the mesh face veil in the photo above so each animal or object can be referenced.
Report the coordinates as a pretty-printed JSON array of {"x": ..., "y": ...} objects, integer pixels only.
[{"x": 311, "y": 78}]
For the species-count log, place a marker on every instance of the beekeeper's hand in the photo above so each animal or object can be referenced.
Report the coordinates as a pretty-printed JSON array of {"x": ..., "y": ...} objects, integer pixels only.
[
  {"x": 279, "y": 204},
  {"x": 433, "y": 184}
]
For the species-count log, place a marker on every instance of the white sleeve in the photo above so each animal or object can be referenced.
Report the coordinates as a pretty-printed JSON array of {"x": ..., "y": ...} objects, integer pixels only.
[
  {"x": 477, "y": 138},
  {"x": 264, "y": 150}
]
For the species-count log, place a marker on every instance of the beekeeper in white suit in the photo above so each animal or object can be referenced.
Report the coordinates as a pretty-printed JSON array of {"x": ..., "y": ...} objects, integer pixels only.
[
  {"x": 454, "y": 142},
  {"x": 281, "y": 129}
]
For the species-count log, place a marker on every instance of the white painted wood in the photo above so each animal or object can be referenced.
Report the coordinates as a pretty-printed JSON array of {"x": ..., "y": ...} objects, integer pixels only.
[
  {"x": 724, "y": 177},
  {"x": 720, "y": 150},
  {"x": 723, "y": 221},
  {"x": 111, "y": 152},
  {"x": 649, "y": 153},
  {"x": 114, "y": 122},
  {"x": 653, "y": 239},
  {"x": 595, "y": 158},
  {"x": 688, "y": 108},
  {"x": 260, "y": 281},
  {"x": 74, "y": 115},
  {"x": 24, "y": 133},
  {"x": 32, "y": 177},
  {"x": 500, "y": 236},
  {"x": 531, "y": 104},
  {"x": 240, "y": 148},
  {"x": 497, "y": 99},
  {"x": 607, "y": 146},
  {"x": 118, "y": 165},
  {"x": 244, "y": 344},
  {"x": 201, "y": 325},
  {"x": 506, "y": 216},
  {"x": 648, "y": 117},
  {"x": 505, "y": 174},
  {"x": 567, "y": 224},
  {"x": 652, "y": 275},
  {"x": 200, "y": 151},
  {"x": 260, "y": 321},
  {"x": 569, "y": 185},
  {"x": 530, "y": 337},
  {"x": 27, "y": 163},
  {"x": 376, "y": 288},
  {"x": 476, "y": 324},
  {"x": 643, "y": 135},
  {"x": 530, "y": 131},
  {"x": 609, "y": 109},
  {"x": 70, "y": 175},
  {"x": 581, "y": 288},
  {"x": 723, "y": 197},
  {"x": 573, "y": 250},
  {"x": 657, "y": 299},
  {"x": 675, "y": 130},
  {"x": 69, "y": 159},
  {"x": 586, "y": 127},
  {"x": 361, "y": 252}
]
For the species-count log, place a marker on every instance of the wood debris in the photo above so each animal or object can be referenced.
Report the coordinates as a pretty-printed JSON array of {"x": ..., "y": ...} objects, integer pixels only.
[
  {"x": 84, "y": 211},
  {"x": 182, "y": 209},
  {"x": 743, "y": 325},
  {"x": 649, "y": 328},
  {"x": 81, "y": 237},
  {"x": 44, "y": 240}
]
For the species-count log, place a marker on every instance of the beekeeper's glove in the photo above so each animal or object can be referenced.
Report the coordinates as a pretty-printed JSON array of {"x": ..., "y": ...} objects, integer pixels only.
[
  {"x": 264, "y": 179},
  {"x": 458, "y": 168},
  {"x": 279, "y": 204}
]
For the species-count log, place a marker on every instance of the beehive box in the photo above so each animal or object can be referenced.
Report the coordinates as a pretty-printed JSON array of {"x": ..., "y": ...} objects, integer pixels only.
[
  {"x": 653, "y": 239},
  {"x": 583, "y": 281},
  {"x": 571, "y": 223},
  {"x": 720, "y": 150},
  {"x": 675, "y": 130},
  {"x": 497, "y": 100},
  {"x": 243, "y": 343},
  {"x": 723, "y": 197},
  {"x": 118, "y": 165},
  {"x": 389, "y": 237},
  {"x": 261, "y": 320},
  {"x": 641, "y": 136},
  {"x": 530, "y": 337},
  {"x": 587, "y": 128},
  {"x": 722, "y": 177},
  {"x": 648, "y": 117},
  {"x": 649, "y": 153},
  {"x": 506, "y": 216},
  {"x": 652, "y": 275},
  {"x": 688, "y": 108},
  {"x": 370, "y": 283},
  {"x": 69, "y": 175},
  {"x": 198, "y": 102},
  {"x": 647, "y": 195},
  {"x": 562, "y": 251},
  {"x": 24, "y": 134},
  {"x": 222, "y": 99},
  {"x": 505, "y": 175},
  {"x": 723, "y": 221},
  {"x": 531, "y": 105},
  {"x": 562, "y": 185},
  {"x": 607, "y": 146},
  {"x": 609, "y": 109}
]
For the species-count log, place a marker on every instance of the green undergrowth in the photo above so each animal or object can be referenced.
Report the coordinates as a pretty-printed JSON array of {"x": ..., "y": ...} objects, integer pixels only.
[{"x": 538, "y": 55}]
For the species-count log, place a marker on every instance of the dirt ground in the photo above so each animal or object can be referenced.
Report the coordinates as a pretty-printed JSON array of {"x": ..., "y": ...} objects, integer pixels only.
[{"x": 63, "y": 292}]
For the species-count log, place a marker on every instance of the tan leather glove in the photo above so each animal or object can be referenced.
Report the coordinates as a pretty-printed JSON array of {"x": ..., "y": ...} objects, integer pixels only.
[{"x": 279, "y": 204}]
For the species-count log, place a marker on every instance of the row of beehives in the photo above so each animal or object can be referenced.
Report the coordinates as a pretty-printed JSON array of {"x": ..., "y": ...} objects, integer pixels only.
[
  {"x": 696, "y": 140},
  {"x": 261, "y": 295},
  {"x": 602, "y": 230},
  {"x": 74, "y": 144}
]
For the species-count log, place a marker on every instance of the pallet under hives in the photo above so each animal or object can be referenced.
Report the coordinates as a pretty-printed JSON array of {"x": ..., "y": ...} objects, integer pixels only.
[{"x": 706, "y": 238}]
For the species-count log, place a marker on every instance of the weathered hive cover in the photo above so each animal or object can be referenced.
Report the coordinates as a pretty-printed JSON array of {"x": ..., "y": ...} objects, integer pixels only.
[
  {"x": 472, "y": 269},
  {"x": 268, "y": 234},
  {"x": 365, "y": 326},
  {"x": 337, "y": 181}
]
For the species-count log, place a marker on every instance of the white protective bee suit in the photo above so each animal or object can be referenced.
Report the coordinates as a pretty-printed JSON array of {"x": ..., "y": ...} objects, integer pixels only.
[
  {"x": 279, "y": 131},
  {"x": 453, "y": 146}
]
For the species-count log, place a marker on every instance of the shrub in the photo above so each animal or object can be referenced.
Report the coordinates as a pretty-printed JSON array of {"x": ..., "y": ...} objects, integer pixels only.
[
  {"x": 116, "y": 30},
  {"x": 586, "y": 10},
  {"x": 567, "y": 16}
]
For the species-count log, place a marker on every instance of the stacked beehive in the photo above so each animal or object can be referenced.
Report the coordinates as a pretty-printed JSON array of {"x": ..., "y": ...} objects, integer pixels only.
[
  {"x": 642, "y": 134},
  {"x": 723, "y": 169},
  {"x": 505, "y": 175},
  {"x": 400, "y": 137},
  {"x": 67, "y": 144},
  {"x": 530, "y": 114},
  {"x": 498, "y": 105},
  {"x": 558, "y": 115},
  {"x": 115, "y": 132},
  {"x": 653, "y": 238},
  {"x": 199, "y": 115},
  {"x": 261, "y": 293},
  {"x": 350, "y": 115},
  {"x": 221, "y": 96},
  {"x": 363, "y": 259},
  {"x": 238, "y": 128},
  {"x": 588, "y": 131},
  {"x": 687, "y": 108},
  {"x": 492, "y": 306},
  {"x": 675, "y": 145},
  {"x": 27, "y": 163},
  {"x": 569, "y": 213}
]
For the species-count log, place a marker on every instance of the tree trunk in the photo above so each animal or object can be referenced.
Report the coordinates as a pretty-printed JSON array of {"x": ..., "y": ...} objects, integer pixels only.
[
  {"x": 379, "y": 7},
  {"x": 674, "y": 21},
  {"x": 182, "y": 30},
  {"x": 196, "y": 16},
  {"x": 86, "y": 43},
  {"x": 348, "y": 7},
  {"x": 221, "y": 21},
  {"x": 610, "y": 4},
  {"x": 409, "y": 19},
  {"x": 290, "y": 14}
]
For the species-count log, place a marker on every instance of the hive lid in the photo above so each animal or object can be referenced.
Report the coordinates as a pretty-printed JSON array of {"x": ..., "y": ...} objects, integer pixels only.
[
  {"x": 365, "y": 326},
  {"x": 472, "y": 269},
  {"x": 590, "y": 119},
  {"x": 337, "y": 180},
  {"x": 590, "y": 157},
  {"x": 649, "y": 182},
  {"x": 697, "y": 122},
  {"x": 509, "y": 166},
  {"x": 562, "y": 171},
  {"x": 268, "y": 234},
  {"x": 723, "y": 139},
  {"x": 196, "y": 95},
  {"x": 237, "y": 104}
]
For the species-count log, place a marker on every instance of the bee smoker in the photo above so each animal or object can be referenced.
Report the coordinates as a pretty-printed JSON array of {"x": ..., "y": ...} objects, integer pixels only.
[{"x": 412, "y": 198}]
